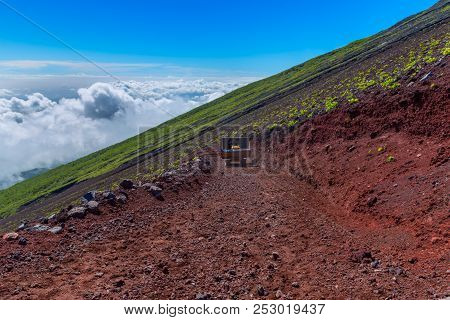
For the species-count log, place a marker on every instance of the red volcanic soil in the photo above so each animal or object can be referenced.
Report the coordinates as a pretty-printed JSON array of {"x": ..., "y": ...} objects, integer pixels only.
[{"x": 353, "y": 204}]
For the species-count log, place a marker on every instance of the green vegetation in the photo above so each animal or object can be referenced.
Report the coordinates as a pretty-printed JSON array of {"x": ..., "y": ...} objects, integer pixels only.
[
  {"x": 330, "y": 104},
  {"x": 390, "y": 158},
  {"x": 387, "y": 81}
]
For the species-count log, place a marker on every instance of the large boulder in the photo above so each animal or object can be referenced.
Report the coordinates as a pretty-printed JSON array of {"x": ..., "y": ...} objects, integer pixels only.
[{"x": 77, "y": 212}]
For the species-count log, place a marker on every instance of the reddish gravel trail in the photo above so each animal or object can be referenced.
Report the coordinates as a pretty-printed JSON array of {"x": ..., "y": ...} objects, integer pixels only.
[{"x": 242, "y": 235}]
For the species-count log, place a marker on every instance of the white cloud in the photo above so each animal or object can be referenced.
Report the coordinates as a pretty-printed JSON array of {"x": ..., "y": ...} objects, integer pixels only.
[
  {"x": 36, "y": 132},
  {"x": 5, "y": 93}
]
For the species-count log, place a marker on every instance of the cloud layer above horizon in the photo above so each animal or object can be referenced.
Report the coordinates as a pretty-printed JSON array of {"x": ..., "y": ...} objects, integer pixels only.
[{"x": 36, "y": 132}]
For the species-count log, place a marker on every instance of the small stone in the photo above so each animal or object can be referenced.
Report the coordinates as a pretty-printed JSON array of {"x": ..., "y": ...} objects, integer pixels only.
[
  {"x": 146, "y": 185},
  {"x": 232, "y": 272},
  {"x": 156, "y": 192},
  {"x": 22, "y": 226},
  {"x": 62, "y": 216},
  {"x": 202, "y": 296},
  {"x": 92, "y": 207},
  {"x": 245, "y": 254},
  {"x": 279, "y": 294},
  {"x": 38, "y": 228},
  {"x": 371, "y": 201},
  {"x": 119, "y": 283},
  {"x": 275, "y": 256},
  {"x": 295, "y": 284},
  {"x": 362, "y": 257},
  {"x": 375, "y": 263},
  {"x": 413, "y": 260},
  {"x": 110, "y": 198},
  {"x": 351, "y": 148},
  {"x": 77, "y": 212},
  {"x": 261, "y": 291},
  {"x": 10, "y": 236},
  {"x": 108, "y": 195},
  {"x": 22, "y": 241},
  {"x": 90, "y": 196},
  {"x": 435, "y": 240},
  {"x": 99, "y": 274},
  {"x": 396, "y": 271},
  {"x": 43, "y": 220},
  {"x": 122, "y": 198},
  {"x": 127, "y": 184},
  {"x": 425, "y": 77},
  {"x": 56, "y": 230}
]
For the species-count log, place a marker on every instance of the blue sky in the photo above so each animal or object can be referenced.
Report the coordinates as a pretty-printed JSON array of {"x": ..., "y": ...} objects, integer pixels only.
[{"x": 187, "y": 38}]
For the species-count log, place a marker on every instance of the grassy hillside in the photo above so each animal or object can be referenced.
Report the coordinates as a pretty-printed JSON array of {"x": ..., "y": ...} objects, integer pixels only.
[{"x": 188, "y": 125}]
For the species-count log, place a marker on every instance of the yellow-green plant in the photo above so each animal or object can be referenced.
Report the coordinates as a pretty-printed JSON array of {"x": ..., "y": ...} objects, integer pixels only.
[{"x": 330, "y": 103}]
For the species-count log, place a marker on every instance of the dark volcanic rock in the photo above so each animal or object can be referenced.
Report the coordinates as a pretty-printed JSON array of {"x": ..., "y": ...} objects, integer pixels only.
[
  {"x": 372, "y": 201},
  {"x": 202, "y": 296},
  {"x": 127, "y": 184},
  {"x": 62, "y": 216},
  {"x": 156, "y": 192},
  {"x": 92, "y": 207},
  {"x": 362, "y": 257},
  {"x": 109, "y": 197},
  {"x": 90, "y": 196},
  {"x": 122, "y": 198},
  {"x": 22, "y": 241},
  {"x": 77, "y": 212},
  {"x": 261, "y": 291}
]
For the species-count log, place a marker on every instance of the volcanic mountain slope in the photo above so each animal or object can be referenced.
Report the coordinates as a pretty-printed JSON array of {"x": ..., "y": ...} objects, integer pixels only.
[
  {"x": 287, "y": 99},
  {"x": 350, "y": 205},
  {"x": 347, "y": 196}
]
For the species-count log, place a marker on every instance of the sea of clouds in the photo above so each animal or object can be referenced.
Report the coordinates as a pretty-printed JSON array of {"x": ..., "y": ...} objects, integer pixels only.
[{"x": 37, "y": 132}]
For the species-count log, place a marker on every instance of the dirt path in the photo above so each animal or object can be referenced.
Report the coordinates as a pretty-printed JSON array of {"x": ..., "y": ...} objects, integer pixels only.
[{"x": 242, "y": 235}]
